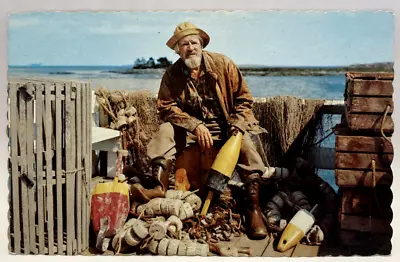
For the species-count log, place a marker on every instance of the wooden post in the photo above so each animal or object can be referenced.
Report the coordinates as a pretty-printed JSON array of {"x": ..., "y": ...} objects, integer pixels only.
[
  {"x": 84, "y": 159},
  {"x": 78, "y": 120},
  {"x": 49, "y": 184},
  {"x": 59, "y": 175},
  {"x": 69, "y": 165},
  {"x": 24, "y": 188},
  {"x": 88, "y": 160},
  {"x": 39, "y": 165},
  {"x": 30, "y": 169},
  {"x": 14, "y": 167}
]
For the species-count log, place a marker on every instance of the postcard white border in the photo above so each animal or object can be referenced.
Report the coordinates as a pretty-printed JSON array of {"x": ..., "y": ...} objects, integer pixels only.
[{"x": 173, "y": 5}]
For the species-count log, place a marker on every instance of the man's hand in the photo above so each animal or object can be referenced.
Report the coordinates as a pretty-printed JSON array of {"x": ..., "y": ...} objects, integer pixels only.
[{"x": 203, "y": 136}]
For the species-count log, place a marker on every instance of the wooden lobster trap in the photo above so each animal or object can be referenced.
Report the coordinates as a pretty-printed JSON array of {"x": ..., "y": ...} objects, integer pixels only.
[
  {"x": 363, "y": 156},
  {"x": 49, "y": 130}
]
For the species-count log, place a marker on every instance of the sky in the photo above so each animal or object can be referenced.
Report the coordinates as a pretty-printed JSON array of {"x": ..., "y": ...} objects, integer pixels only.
[{"x": 271, "y": 38}]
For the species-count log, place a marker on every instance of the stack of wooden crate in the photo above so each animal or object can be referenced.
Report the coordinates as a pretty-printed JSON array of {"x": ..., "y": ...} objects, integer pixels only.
[{"x": 364, "y": 153}]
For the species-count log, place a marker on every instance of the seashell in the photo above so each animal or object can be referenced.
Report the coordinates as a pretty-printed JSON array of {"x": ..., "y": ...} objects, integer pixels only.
[
  {"x": 191, "y": 249},
  {"x": 130, "y": 111},
  {"x": 185, "y": 211},
  {"x": 153, "y": 244},
  {"x": 131, "y": 238},
  {"x": 163, "y": 246},
  {"x": 158, "y": 230},
  {"x": 139, "y": 227},
  {"x": 121, "y": 112},
  {"x": 202, "y": 249},
  {"x": 194, "y": 201},
  {"x": 182, "y": 248},
  {"x": 173, "y": 247},
  {"x": 177, "y": 223}
]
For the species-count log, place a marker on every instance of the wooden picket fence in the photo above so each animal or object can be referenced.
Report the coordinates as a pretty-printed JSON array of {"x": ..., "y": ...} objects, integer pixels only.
[{"x": 49, "y": 129}]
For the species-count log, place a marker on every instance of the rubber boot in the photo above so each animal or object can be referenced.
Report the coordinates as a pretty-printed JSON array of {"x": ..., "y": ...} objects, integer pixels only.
[
  {"x": 161, "y": 170},
  {"x": 257, "y": 229}
]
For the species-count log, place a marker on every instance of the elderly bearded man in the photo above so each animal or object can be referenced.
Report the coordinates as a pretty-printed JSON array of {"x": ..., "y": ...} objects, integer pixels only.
[{"x": 203, "y": 97}]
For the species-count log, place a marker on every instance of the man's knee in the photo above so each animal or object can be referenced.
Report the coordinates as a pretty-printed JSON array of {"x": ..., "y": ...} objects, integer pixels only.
[{"x": 162, "y": 141}]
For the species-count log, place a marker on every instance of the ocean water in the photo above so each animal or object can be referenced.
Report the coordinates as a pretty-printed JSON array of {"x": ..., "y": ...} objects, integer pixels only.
[{"x": 308, "y": 87}]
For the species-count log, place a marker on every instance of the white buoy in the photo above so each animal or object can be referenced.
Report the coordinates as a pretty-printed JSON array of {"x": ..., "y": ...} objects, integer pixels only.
[{"x": 297, "y": 228}]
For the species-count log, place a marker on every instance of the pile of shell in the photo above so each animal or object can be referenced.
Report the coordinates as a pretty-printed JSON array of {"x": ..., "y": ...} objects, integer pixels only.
[
  {"x": 220, "y": 225},
  {"x": 158, "y": 227}
]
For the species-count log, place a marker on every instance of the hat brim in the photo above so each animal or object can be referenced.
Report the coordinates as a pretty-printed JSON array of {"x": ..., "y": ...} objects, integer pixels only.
[{"x": 176, "y": 37}]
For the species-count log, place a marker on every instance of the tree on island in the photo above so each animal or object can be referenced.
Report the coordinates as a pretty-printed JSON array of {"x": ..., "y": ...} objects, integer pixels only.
[{"x": 141, "y": 63}]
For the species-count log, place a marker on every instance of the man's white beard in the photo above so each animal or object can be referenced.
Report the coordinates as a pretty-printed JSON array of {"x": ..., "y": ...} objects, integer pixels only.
[{"x": 193, "y": 62}]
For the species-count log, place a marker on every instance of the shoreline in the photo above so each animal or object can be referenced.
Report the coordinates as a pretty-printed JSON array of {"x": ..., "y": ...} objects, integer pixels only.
[{"x": 270, "y": 71}]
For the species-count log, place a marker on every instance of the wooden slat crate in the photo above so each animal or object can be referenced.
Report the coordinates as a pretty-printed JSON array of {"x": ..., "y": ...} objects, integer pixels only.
[
  {"x": 354, "y": 157},
  {"x": 50, "y": 164},
  {"x": 369, "y": 102}
]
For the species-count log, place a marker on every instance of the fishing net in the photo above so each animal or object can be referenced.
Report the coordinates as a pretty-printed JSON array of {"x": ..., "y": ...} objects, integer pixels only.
[
  {"x": 137, "y": 131},
  {"x": 293, "y": 125}
]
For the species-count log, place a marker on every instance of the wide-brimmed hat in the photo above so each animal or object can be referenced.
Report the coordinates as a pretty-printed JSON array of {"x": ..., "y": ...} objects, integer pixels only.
[{"x": 185, "y": 29}]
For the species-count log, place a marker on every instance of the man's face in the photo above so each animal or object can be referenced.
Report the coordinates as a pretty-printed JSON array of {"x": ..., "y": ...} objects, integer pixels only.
[{"x": 190, "y": 47}]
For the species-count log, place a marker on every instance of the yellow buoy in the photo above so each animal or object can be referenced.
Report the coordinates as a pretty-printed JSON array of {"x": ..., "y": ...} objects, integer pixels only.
[
  {"x": 297, "y": 228},
  {"x": 222, "y": 169}
]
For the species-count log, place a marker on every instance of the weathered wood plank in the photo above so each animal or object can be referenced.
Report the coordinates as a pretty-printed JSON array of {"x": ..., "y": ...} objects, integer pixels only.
[
  {"x": 272, "y": 251},
  {"x": 30, "y": 170},
  {"x": 371, "y": 88},
  {"x": 49, "y": 163},
  {"x": 369, "y": 104},
  {"x": 69, "y": 166},
  {"x": 359, "y": 122},
  {"x": 84, "y": 199},
  {"x": 365, "y": 224},
  {"x": 362, "y": 161},
  {"x": 363, "y": 144},
  {"x": 302, "y": 250},
  {"x": 78, "y": 119},
  {"x": 370, "y": 75},
  {"x": 355, "y": 178},
  {"x": 23, "y": 164},
  {"x": 59, "y": 175},
  {"x": 39, "y": 167},
  {"x": 13, "y": 136},
  {"x": 89, "y": 156},
  {"x": 74, "y": 166},
  {"x": 371, "y": 243},
  {"x": 366, "y": 201},
  {"x": 257, "y": 246}
]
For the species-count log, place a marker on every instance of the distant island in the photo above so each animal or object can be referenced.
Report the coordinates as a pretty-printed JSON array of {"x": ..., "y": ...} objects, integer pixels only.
[{"x": 152, "y": 66}]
